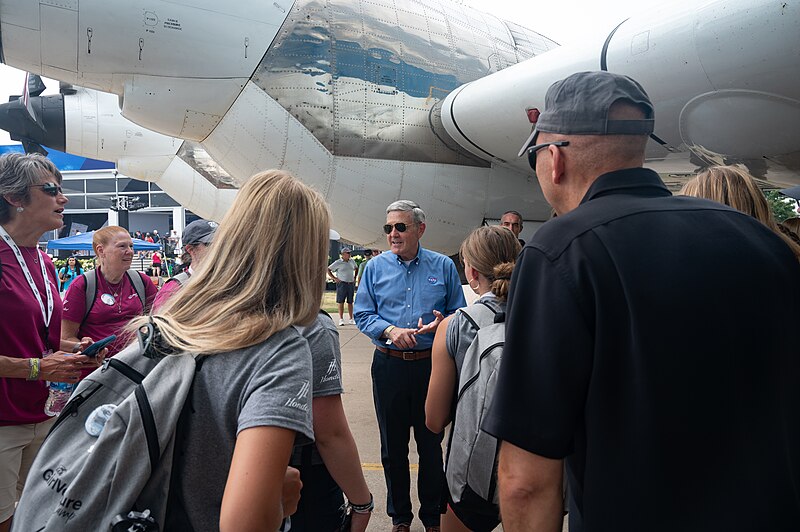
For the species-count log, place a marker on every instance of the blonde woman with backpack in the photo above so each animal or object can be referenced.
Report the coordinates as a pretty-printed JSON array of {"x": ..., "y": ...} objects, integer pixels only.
[
  {"x": 251, "y": 396},
  {"x": 489, "y": 255}
]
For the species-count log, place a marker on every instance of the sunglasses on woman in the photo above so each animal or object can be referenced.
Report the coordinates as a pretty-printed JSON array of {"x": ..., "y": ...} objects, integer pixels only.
[
  {"x": 51, "y": 189},
  {"x": 400, "y": 226}
]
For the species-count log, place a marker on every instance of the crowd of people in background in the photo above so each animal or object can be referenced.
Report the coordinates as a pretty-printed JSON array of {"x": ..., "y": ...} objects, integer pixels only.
[{"x": 645, "y": 376}]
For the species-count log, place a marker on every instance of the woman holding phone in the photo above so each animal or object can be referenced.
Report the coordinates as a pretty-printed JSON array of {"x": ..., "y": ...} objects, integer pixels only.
[
  {"x": 31, "y": 202},
  {"x": 252, "y": 392}
]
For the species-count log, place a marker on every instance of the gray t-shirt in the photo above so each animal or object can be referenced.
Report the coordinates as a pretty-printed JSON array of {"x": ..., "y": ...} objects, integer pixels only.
[
  {"x": 344, "y": 270},
  {"x": 326, "y": 358},
  {"x": 264, "y": 385}
]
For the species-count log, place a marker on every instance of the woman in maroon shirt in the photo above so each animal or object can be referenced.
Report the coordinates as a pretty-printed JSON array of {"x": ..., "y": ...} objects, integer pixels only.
[
  {"x": 115, "y": 299},
  {"x": 32, "y": 203}
]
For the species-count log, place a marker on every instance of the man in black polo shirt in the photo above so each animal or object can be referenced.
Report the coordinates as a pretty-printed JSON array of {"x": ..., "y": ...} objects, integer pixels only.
[{"x": 649, "y": 342}]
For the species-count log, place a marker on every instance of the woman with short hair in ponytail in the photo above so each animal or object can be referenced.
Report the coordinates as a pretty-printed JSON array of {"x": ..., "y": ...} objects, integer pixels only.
[{"x": 489, "y": 255}]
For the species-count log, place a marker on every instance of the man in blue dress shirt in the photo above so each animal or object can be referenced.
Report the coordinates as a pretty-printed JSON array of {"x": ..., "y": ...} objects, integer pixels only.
[{"x": 402, "y": 297}]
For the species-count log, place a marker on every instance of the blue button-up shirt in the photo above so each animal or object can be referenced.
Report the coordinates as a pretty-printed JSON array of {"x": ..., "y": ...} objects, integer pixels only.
[{"x": 391, "y": 293}]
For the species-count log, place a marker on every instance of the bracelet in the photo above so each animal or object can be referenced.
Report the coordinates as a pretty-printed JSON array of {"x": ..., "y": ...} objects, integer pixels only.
[
  {"x": 387, "y": 330},
  {"x": 35, "y": 366},
  {"x": 364, "y": 508},
  {"x": 76, "y": 347}
]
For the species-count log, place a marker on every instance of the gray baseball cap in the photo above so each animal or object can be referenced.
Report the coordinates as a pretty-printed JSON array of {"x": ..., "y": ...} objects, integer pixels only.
[
  {"x": 792, "y": 192},
  {"x": 579, "y": 104},
  {"x": 199, "y": 232}
]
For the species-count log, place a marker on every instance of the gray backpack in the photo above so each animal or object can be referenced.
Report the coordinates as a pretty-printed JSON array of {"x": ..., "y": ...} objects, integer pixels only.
[
  {"x": 471, "y": 467},
  {"x": 94, "y": 476}
]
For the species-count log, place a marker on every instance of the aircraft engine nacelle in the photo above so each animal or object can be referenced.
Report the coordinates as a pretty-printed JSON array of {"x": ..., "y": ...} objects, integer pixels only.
[{"x": 722, "y": 76}]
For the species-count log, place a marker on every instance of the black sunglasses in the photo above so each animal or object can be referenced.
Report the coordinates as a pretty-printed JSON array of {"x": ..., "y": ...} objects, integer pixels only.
[
  {"x": 533, "y": 149},
  {"x": 400, "y": 226},
  {"x": 51, "y": 189}
]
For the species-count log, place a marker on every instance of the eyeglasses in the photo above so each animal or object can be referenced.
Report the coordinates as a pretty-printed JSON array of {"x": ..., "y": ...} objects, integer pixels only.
[
  {"x": 51, "y": 189},
  {"x": 400, "y": 226},
  {"x": 533, "y": 149}
]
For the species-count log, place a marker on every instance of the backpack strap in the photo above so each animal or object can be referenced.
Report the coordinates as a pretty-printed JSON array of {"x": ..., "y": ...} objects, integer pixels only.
[
  {"x": 478, "y": 316},
  {"x": 90, "y": 292},
  {"x": 181, "y": 278},
  {"x": 138, "y": 285}
]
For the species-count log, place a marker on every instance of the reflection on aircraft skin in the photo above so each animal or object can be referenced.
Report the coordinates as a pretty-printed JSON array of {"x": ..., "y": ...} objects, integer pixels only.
[
  {"x": 364, "y": 76},
  {"x": 370, "y": 101}
]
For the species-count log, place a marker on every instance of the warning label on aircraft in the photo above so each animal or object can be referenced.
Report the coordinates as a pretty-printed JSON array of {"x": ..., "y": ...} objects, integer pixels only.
[{"x": 172, "y": 24}]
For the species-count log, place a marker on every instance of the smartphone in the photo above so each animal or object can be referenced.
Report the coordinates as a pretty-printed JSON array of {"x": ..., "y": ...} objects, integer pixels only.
[{"x": 98, "y": 346}]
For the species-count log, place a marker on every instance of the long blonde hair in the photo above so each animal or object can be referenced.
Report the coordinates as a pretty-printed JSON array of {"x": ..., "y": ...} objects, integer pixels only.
[
  {"x": 264, "y": 272},
  {"x": 736, "y": 188},
  {"x": 492, "y": 251}
]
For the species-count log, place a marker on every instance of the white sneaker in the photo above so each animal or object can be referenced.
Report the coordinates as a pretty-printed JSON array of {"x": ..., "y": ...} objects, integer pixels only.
[
  {"x": 352, "y": 321},
  {"x": 341, "y": 322}
]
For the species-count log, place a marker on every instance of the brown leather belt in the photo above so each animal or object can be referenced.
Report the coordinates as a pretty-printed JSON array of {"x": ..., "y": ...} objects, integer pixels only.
[{"x": 405, "y": 355}]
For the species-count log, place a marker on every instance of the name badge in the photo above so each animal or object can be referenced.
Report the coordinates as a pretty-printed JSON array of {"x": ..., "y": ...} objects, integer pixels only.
[{"x": 108, "y": 299}]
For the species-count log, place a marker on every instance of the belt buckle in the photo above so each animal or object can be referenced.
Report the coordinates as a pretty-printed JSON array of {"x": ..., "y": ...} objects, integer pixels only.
[{"x": 409, "y": 355}]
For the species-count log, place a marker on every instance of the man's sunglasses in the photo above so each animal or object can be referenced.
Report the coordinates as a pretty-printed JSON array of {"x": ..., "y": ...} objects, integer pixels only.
[
  {"x": 51, "y": 189},
  {"x": 533, "y": 149},
  {"x": 400, "y": 226}
]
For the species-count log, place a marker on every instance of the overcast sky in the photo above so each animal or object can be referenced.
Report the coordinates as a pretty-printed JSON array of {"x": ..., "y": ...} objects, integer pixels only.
[{"x": 564, "y": 21}]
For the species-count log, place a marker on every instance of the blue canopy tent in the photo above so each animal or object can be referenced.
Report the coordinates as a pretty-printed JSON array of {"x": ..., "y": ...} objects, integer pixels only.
[{"x": 84, "y": 242}]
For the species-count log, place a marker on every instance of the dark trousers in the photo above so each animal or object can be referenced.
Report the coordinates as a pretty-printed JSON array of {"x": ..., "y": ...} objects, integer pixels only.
[
  {"x": 321, "y": 507},
  {"x": 399, "y": 388}
]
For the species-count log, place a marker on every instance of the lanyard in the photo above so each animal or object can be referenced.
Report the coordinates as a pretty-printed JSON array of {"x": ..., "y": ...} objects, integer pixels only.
[{"x": 48, "y": 314}]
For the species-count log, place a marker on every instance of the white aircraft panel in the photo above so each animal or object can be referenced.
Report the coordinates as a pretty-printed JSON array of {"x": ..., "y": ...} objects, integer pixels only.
[
  {"x": 95, "y": 128},
  {"x": 22, "y": 13},
  {"x": 166, "y": 38},
  {"x": 173, "y": 106},
  {"x": 59, "y": 47},
  {"x": 183, "y": 183},
  {"x": 254, "y": 136},
  {"x": 23, "y": 45}
]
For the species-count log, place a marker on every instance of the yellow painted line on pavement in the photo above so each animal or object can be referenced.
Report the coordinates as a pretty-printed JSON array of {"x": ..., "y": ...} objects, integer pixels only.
[{"x": 379, "y": 467}]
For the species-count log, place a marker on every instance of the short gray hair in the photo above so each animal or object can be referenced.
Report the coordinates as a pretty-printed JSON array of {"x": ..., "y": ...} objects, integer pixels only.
[
  {"x": 18, "y": 171},
  {"x": 407, "y": 206}
]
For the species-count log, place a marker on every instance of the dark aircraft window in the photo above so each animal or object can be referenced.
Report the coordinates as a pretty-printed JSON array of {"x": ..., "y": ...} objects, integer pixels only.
[
  {"x": 131, "y": 185},
  {"x": 98, "y": 202},
  {"x": 162, "y": 200},
  {"x": 76, "y": 202},
  {"x": 72, "y": 186},
  {"x": 101, "y": 185}
]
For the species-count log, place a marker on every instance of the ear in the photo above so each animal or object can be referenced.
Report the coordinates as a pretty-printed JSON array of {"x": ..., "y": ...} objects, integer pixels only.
[
  {"x": 421, "y": 228},
  {"x": 11, "y": 200},
  {"x": 558, "y": 165}
]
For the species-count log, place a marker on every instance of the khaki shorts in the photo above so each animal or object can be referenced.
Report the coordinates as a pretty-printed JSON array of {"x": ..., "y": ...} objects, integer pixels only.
[{"x": 18, "y": 447}]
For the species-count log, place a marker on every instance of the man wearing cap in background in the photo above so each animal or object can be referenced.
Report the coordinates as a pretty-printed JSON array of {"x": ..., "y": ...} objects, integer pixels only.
[
  {"x": 197, "y": 236},
  {"x": 663, "y": 426},
  {"x": 343, "y": 273},
  {"x": 367, "y": 257}
]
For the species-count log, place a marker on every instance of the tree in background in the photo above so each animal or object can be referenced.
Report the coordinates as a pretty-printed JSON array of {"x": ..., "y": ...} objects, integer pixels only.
[{"x": 782, "y": 207}]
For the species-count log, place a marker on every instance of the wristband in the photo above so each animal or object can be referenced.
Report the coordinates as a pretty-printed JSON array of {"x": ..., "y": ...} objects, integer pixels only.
[
  {"x": 387, "y": 330},
  {"x": 364, "y": 508},
  {"x": 35, "y": 366}
]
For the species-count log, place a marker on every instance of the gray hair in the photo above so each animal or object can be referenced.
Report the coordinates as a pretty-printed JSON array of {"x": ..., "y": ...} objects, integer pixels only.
[
  {"x": 407, "y": 206},
  {"x": 18, "y": 171}
]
